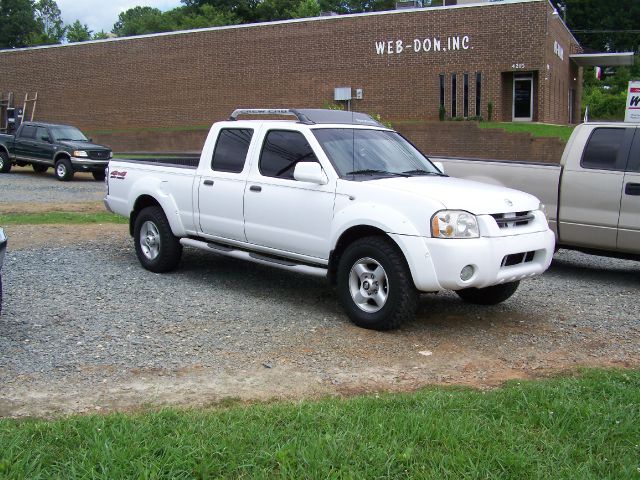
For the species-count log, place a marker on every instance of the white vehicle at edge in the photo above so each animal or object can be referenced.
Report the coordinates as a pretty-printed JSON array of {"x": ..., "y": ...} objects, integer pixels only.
[{"x": 339, "y": 195}]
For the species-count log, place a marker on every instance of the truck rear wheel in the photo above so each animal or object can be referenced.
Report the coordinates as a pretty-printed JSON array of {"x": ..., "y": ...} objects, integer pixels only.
[
  {"x": 488, "y": 295},
  {"x": 375, "y": 285},
  {"x": 64, "y": 170},
  {"x": 156, "y": 247},
  {"x": 5, "y": 163}
]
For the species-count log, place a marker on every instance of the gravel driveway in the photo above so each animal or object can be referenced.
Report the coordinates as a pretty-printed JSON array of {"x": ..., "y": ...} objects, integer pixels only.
[{"x": 85, "y": 328}]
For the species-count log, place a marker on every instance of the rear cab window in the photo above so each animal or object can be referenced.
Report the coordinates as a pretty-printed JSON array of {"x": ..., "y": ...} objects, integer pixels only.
[
  {"x": 28, "y": 131},
  {"x": 607, "y": 149},
  {"x": 281, "y": 151},
  {"x": 230, "y": 152}
]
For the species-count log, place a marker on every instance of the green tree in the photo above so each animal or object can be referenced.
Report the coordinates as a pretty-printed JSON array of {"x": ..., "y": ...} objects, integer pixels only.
[
  {"x": 101, "y": 35},
  {"x": 50, "y": 26},
  {"x": 141, "y": 20},
  {"x": 77, "y": 32},
  {"x": 603, "y": 25},
  {"x": 17, "y": 23}
]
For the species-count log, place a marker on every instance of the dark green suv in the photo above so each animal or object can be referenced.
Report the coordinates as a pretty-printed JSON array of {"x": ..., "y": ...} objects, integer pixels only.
[{"x": 63, "y": 147}]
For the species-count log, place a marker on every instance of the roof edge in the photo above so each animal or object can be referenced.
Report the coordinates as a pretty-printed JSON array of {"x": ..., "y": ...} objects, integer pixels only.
[{"x": 484, "y": 4}]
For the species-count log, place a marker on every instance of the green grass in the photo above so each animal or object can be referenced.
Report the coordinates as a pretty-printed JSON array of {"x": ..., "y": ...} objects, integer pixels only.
[
  {"x": 562, "y": 132},
  {"x": 59, "y": 217},
  {"x": 582, "y": 427}
]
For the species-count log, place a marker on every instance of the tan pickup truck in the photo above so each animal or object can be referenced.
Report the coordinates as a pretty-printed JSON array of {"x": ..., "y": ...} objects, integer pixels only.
[{"x": 592, "y": 197}]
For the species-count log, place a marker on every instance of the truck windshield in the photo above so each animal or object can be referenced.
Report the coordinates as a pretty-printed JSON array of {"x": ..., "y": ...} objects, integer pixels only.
[
  {"x": 359, "y": 152},
  {"x": 68, "y": 133}
]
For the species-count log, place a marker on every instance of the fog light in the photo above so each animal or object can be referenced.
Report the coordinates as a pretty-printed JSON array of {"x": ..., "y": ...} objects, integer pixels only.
[{"x": 467, "y": 272}]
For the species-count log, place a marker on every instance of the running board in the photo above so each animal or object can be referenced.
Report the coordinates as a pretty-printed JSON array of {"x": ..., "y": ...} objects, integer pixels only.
[{"x": 281, "y": 263}]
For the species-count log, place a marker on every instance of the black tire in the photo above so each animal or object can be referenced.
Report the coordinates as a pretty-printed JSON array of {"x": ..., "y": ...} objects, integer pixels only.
[
  {"x": 158, "y": 250},
  {"x": 401, "y": 300},
  {"x": 39, "y": 168},
  {"x": 99, "y": 176},
  {"x": 63, "y": 170},
  {"x": 5, "y": 163},
  {"x": 489, "y": 295}
]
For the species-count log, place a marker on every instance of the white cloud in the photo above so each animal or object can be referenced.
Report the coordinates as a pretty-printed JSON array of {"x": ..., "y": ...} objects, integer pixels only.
[{"x": 102, "y": 14}]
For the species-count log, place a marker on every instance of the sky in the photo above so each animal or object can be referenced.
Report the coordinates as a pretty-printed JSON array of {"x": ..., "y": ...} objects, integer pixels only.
[{"x": 102, "y": 14}]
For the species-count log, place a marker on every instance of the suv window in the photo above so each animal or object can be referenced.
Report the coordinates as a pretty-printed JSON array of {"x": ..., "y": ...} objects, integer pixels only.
[
  {"x": 231, "y": 150},
  {"x": 41, "y": 134},
  {"x": 28, "y": 131},
  {"x": 602, "y": 150},
  {"x": 281, "y": 152}
]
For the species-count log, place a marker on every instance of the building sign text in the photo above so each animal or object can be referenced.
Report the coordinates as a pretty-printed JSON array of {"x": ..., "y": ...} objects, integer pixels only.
[{"x": 418, "y": 45}]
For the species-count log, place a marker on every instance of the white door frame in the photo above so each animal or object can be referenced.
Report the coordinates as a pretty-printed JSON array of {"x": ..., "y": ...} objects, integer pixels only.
[{"x": 529, "y": 78}]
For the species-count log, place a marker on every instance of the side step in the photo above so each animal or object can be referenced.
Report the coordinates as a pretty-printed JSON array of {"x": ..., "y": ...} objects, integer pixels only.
[{"x": 281, "y": 263}]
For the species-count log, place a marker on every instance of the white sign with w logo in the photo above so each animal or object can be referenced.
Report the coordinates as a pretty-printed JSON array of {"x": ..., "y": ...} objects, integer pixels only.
[{"x": 632, "y": 113}]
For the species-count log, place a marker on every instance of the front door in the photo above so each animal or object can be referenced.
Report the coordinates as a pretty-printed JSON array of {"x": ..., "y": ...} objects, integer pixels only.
[
  {"x": 281, "y": 212},
  {"x": 629, "y": 225},
  {"x": 522, "y": 97}
]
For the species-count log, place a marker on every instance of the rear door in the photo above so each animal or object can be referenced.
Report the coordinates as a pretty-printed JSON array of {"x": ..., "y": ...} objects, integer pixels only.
[
  {"x": 629, "y": 225},
  {"x": 591, "y": 192},
  {"x": 221, "y": 190},
  {"x": 25, "y": 143}
]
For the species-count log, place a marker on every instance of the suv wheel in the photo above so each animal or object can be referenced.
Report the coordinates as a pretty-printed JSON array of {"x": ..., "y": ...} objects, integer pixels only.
[
  {"x": 156, "y": 247},
  {"x": 375, "y": 285},
  {"x": 64, "y": 170}
]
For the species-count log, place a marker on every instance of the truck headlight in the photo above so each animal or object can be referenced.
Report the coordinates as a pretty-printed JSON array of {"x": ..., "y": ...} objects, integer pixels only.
[
  {"x": 80, "y": 153},
  {"x": 454, "y": 224}
]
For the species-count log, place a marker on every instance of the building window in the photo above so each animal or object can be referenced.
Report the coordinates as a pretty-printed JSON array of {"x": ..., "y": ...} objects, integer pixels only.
[
  {"x": 454, "y": 86},
  {"x": 465, "y": 98},
  {"x": 478, "y": 92},
  {"x": 442, "y": 91}
]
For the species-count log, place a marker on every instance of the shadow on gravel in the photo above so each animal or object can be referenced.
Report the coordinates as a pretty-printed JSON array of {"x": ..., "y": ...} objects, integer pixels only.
[{"x": 625, "y": 273}]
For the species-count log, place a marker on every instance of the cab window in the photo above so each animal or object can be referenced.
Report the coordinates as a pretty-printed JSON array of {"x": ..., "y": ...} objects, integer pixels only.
[
  {"x": 603, "y": 150},
  {"x": 282, "y": 151},
  {"x": 231, "y": 149}
]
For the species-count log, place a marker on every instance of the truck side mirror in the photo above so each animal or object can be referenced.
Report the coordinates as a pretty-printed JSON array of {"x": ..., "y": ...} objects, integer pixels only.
[
  {"x": 45, "y": 138},
  {"x": 310, "y": 172}
]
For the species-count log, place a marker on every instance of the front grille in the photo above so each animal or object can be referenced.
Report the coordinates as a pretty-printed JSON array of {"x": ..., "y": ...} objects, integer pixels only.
[
  {"x": 513, "y": 219},
  {"x": 98, "y": 154},
  {"x": 517, "y": 258}
]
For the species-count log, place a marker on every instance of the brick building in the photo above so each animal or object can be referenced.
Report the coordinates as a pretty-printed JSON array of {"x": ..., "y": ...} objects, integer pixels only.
[{"x": 404, "y": 64}]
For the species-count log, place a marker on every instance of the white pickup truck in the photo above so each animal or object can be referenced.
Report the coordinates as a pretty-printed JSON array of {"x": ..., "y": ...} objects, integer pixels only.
[
  {"x": 592, "y": 197},
  {"x": 339, "y": 195}
]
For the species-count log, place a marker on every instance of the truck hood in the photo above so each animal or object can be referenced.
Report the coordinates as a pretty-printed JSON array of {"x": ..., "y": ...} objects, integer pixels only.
[
  {"x": 77, "y": 145},
  {"x": 457, "y": 194}
]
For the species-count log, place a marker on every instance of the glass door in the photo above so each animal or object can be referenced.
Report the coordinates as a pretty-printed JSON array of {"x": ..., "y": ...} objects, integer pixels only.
[{"x": 522, "y": 98}]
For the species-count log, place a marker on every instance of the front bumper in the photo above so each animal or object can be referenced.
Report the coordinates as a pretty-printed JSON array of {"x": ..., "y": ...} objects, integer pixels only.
[
  {"x": 436, "y": 264},
  {"x": 88, "y": 165}
]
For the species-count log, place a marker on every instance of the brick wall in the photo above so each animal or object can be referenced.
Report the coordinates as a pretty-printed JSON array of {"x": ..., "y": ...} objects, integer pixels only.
[
  {"x": 198, "y": 77},
  {"x": 452, "y": 139}
]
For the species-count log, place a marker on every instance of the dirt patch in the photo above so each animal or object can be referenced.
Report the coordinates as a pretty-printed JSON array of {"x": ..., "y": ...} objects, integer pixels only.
[
  {"x": 31, "y": 236},
  {"x": 39, "y": 207}
]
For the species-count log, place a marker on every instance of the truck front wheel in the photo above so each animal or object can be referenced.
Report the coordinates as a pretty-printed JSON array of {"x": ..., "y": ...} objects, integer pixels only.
[
  {"x": 375, "y": 285},
  {"x": 64, "y": 170},
  {"x": 5, "y": 163},
  {"x": 488, "y": 295},
  {"x": 156, "y": 247}
]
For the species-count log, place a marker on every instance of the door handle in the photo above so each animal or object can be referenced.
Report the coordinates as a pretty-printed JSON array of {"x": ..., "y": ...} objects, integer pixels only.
[
  {"x": 632, "y": 189},
  {"x": 208, "y": 182},
  {"x": 255, "y": 188}
]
